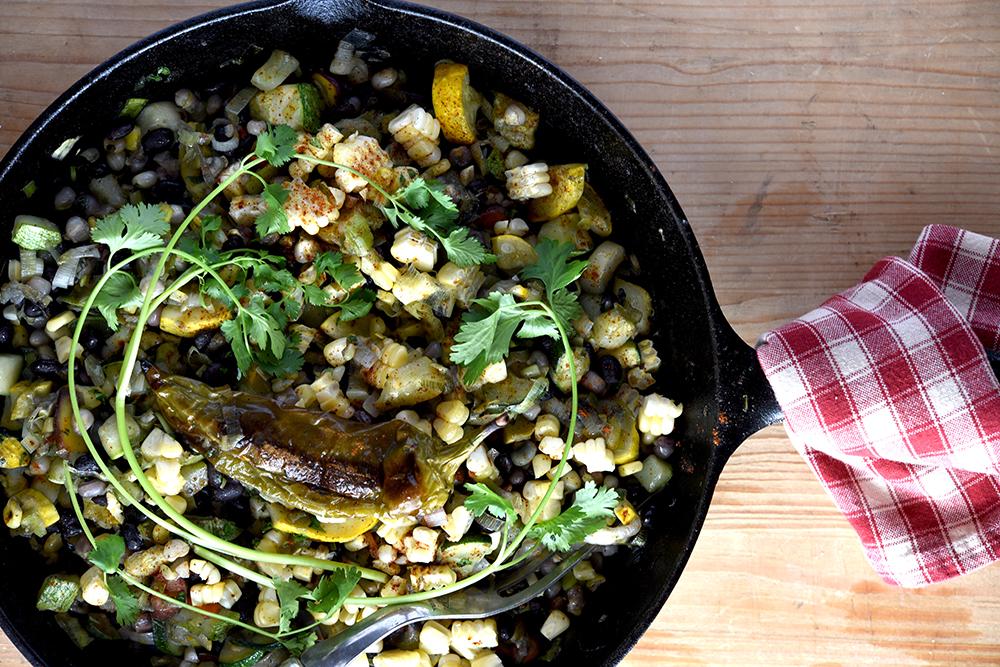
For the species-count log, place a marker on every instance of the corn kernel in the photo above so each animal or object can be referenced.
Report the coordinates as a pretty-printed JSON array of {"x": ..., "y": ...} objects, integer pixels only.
[
  {"x": 629, "y": 469},
  {"x": 552, "y": 446},
  {"x": 447, "y": 431},
  {"x": 540, "y": 465},
  {"x": 453, "y": 411},
  {"x": 93, "y": 589},
  {"x": 546, "y": 426},
  {"x": 435, "y": 639}
]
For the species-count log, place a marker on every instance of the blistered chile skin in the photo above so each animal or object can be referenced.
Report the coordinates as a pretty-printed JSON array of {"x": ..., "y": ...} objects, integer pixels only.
[{"x": 307, "y": 459}]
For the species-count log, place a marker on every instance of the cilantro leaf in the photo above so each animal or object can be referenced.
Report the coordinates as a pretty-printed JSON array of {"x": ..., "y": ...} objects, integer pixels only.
[
  {"x": 591, "y": 508},
  {"x": 557, "y": 272},
  {"x": 297, "y": 644},
  {"x": 120, "y": 292},
  {"x": 277, "y": 145},
  {"x": 289, "y": 593},
  {"x": 270, "y": 279},
  {"x": 126, "y": 603},
  {"x": 317, "y": 296},
  {"x": 233, "y": 331},
  {"x": 483, "y": 499},
  {"x": 537, "y": 324},
  {"x": 290, "y": 363},
  {"x": 333, "y": 589},
  {"x": 357, "y": 305},
  {"x": 485, "y": 335},
  {"x": 209, "y": 225},
  {"x": 107, "y": 552},
  {"x": 466, "y": 250},
  {"x": 273, "y": 220},
  {"x": 344, "y": 273},
  {"x": 133, "y": 227}
]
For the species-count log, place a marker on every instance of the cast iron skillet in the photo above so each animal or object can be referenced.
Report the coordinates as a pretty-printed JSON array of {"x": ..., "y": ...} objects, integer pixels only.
[{"x": 705, "y": 364}]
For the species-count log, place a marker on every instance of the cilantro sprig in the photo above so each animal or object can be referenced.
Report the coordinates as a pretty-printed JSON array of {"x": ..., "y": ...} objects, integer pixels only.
[
  {"x": 134, "y": 227},
  {"x": 424, "y": 206}
]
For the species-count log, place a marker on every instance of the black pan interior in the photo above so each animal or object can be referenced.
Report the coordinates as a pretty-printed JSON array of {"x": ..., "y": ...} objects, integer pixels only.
[{"x": 695, "y": 343}]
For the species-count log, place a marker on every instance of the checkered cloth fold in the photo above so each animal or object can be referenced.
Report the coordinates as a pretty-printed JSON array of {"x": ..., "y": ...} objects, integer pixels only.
[{"x": 888, "y": 394}]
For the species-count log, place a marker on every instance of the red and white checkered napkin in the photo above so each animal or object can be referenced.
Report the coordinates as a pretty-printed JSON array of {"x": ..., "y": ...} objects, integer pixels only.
[{"x": 889, "y": 396}]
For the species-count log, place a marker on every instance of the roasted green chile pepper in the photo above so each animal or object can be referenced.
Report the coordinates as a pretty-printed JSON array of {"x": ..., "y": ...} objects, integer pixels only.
[{"x": 332, "y": 468}]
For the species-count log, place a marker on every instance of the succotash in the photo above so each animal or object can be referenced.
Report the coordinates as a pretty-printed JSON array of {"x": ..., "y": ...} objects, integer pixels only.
[{"x": 277, "y": 353}]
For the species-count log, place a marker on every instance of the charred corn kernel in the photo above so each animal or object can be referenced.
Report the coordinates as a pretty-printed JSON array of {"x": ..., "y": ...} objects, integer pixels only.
[
  {"x": 159, "y": 445},
  {"x": 208, "y": 572},
  {"x": 319, "y": 146},
  {"x": 649, "y": 357},
  {"x": 338, "y": 352},
  {"x": 13, "y": 514},
  {"x": 601, "y": 266},
  {"x": 328, "y": 395},
  {"x": 64, "y": 346},
  {"x": 266, "y": 614},
  {"x": 470, "y": 637},
  {"x": 447, "y": 431},
  {"x": 429, "y": 577},
  {"x": 547, "y": 425},
  {"x": 639, "y": 379},
  {"x": 480, "y": 466},
  {"x": 530, "y": 181},
  {"x": 495, "y": 372},
  {"x": 202, "y": 594},
  {"x": 625, "y": 512},
  {"x": 411, "y": 417},
  {"x": 463, "y": 281},
  {"x": 380, "y": 271},
  {"x": 458, "y": 523},
  {"x": 145, "y": 563},
  {"x": 394, "y": 529},
  {"x": 402, "y": 658},
  {"x": 364, "y": 155},
  {"x": 311, "y": 208},
  {"x": 395, "y": 587},
  {"x": 436, "y": 169},
  {"x": 540, "y": 465},
  {"x": 486, "y": 659},
  {"x": 395, "y": 355},
  {"x": 231, "y": 594},
  {"x": 552, "y": 446},
  {"x": 58, "y": 322},
  {"x": 419, "y": 546},
  {"x": 418, "y": 132},
  {"x": 593, "y": 454},
  {"x": 453, "y": 411},
  {"x": 516, "y": 227},
  {"x": 166, "y": 477},
  {"x": 555, "y": 624},
  {"x": 412, "y": 247},
  {"x": 93, "y": 590},
  {"x": 629, "y": 469},
  {"x": 435, "y": 639},
  {"x": 657, "y": 414}
]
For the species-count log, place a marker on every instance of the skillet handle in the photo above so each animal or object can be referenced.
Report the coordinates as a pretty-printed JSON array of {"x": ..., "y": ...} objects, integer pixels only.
[{"x": 746, "y": 400}]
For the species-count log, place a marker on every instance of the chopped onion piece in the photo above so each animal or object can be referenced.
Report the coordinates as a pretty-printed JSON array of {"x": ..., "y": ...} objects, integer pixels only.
[
  {"x": 274, "y": 72},
  {"x": 239, "y": 101}
]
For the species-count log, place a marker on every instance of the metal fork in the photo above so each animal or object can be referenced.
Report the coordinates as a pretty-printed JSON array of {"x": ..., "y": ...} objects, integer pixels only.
[{"x": 469, "y": 603}]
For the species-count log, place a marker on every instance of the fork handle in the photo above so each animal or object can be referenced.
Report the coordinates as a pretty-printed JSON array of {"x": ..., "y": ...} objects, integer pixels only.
[{"x": 352, "y": 642}]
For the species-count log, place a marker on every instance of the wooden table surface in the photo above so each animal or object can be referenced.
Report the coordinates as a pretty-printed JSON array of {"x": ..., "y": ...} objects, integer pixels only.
[{"x": 805, "y": 140}]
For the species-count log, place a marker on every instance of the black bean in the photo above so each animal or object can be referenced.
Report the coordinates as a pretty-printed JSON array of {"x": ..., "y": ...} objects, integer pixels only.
[
  {"x": 100, "y": 500},
  {"x": 217, "y": 375},
  {"x": 121, "y": 129},
  {"x": 608, "y": 301},
  {"x": 234, "y": 242},
  {"x": 169, "y": 190},
  {"x": 664, "y": 446},
  {"x": 230, "y": 492},
  {"x": 363, "y": 417},
  {"x": 406, "y": 638},
  {"x": 86, "y": 465},
  {"x": 223, "y": 132},
  {"x": 133, "y": 538},
  {"x": 574, "y": 600},
  {"x": 611, "y": 371},
  {"x": 505, "y": 628},
  {"x": 47, "y": 369},
  {"x": 158, "y": 140},
  {"x": 517, "y": 477},
  {"x": 144, "y": 622},
  {"x": 32, "y": 309},
  {"x": 69, "y": 525},
  {"x": 6, "y": 334},
  {"x": 99, "y": 169},
  {"x": 90, "y": 340},
  {"x": 503, "y": 464},
  {"x": 202, "y": 340}
]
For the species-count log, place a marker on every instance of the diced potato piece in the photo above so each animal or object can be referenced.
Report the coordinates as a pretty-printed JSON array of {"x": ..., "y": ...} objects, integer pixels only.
[
  {"x": 415, "y": 382},
  {"x": 567, "y": 181}
]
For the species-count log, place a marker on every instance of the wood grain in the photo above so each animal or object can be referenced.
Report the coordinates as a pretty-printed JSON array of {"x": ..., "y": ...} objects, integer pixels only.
[{"x": 805, "y": 140}]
